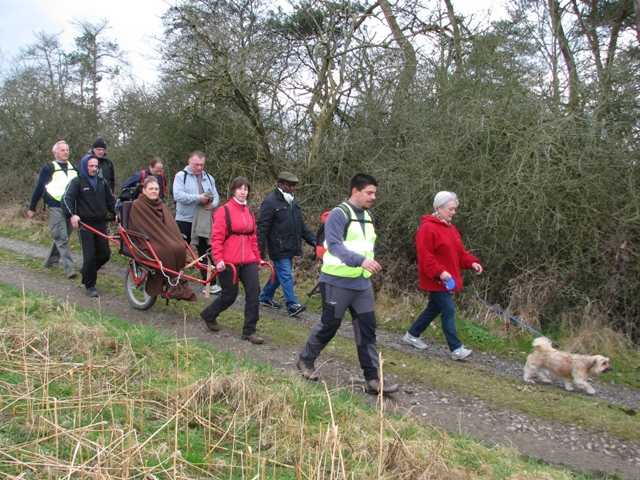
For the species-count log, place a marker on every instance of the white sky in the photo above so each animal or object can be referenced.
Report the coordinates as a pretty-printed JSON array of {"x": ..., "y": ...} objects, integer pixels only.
[{"x": 134, "y": 23}]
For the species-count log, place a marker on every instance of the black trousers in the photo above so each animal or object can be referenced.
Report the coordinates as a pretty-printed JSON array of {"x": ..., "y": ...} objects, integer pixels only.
[
  {"x": 95, "y": 252},
  {"x": 202, "y": 247},
  {"x": 248, "y": 275}
]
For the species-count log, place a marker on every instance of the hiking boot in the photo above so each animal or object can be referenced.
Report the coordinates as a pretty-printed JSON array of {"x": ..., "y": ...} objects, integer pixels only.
[
  {"x": 253, "y": 338},
  {"x": 72, "y": 274},
  {"x": 461, "y": 353},
  {"x": 295, "y": 309},
  {"x": 414, "y": 341},
  {"x": 92, "y": 292},
  {"x": 212, "y": 324},
  {"x": 308, "y": 371},
  {"x": 270, "y": 304},
  {"x": 373, "y": 387}
]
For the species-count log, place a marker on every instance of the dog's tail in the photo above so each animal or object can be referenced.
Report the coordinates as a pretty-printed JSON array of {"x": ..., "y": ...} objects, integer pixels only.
[{"x": 542, "y": 343}]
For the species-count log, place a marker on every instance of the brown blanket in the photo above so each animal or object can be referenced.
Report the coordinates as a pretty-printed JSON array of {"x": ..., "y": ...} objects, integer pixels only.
[{"x": 153, "y": 218}]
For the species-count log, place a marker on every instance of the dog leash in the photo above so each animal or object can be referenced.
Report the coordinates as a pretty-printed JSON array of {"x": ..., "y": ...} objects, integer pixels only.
[{"x": 511, "y": 317}]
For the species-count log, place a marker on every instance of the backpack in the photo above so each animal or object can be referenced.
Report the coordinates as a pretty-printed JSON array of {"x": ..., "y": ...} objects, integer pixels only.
[
  {"x": 320, "y": 238},
  {"x": 163, "y": 187}
]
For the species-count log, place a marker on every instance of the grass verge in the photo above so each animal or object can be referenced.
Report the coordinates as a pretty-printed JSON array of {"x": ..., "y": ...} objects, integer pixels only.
[{"x": 88, "y": 395}]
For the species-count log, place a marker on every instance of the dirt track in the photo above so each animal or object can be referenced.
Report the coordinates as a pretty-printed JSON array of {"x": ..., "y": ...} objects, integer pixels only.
[{"x": 574, "y": 447}]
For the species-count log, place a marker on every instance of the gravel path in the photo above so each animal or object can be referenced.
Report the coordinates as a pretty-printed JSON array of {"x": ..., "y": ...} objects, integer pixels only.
[{"x": 575, "y": 447}]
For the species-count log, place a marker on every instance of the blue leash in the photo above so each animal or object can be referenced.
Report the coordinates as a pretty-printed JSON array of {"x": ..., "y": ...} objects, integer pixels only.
[{"x": 511, "y": 317}]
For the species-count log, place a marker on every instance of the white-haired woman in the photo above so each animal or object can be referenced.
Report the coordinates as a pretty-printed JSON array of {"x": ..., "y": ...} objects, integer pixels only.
[{"x": 441, "y": 258}]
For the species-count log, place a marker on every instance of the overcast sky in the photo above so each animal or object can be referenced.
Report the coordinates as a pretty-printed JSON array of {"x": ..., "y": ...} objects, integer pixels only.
[{"x": 133, "y": 25}]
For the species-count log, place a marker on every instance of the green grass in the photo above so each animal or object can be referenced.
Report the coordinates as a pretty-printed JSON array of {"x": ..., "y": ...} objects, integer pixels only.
[
  {"x": 88, "y": 392},
  {"x": 540, "y": 401}
]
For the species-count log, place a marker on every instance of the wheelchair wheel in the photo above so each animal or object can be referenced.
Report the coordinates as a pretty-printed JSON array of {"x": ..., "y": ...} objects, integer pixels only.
[{"x": 137, "y": 296}]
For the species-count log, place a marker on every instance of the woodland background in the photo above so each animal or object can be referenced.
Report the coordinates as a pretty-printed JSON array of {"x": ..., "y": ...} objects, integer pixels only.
[{"x": 534, "y": 121}]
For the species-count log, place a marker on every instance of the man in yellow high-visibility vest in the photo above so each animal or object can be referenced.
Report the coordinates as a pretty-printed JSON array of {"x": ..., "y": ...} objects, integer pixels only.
[
  {"x": 52, "y": 182},
  {"x": 345, "y": 283}
]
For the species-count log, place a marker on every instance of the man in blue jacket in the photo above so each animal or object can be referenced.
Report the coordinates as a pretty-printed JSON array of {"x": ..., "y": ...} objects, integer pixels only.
[
  {"x": 281, "y": 230},
  {"x": 155, "y": 169},
  {"x": 52, "y": 182}
]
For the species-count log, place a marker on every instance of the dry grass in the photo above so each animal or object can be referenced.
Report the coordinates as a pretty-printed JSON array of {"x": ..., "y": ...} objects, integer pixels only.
[{"x": 80, "y": 400}]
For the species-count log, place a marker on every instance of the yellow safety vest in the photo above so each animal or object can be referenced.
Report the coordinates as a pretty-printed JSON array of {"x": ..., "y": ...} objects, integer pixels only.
[
  {"x": 357, "y": 240},
  {"x": 60, "y": 179}
]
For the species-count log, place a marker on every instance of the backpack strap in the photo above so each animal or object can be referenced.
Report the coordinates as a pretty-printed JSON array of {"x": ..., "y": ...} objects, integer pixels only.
[
  {"x": 229, "y": 230},
  {"x": 347, "y": 212}
]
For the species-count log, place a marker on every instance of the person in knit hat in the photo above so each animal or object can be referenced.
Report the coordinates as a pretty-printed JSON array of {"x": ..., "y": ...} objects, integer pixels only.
[{"x": 105, "y": 165}]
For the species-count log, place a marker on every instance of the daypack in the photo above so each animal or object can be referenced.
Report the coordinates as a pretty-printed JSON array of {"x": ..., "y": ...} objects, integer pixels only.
[
  {"x": 163, "y": 187},
  {"x": 320, "y": 238}
]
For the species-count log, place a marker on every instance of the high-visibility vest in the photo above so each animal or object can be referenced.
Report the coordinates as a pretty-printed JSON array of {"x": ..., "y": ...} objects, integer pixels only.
[
  {"x": 60, "y": 179},
  {"x": 357, "y": 240}
]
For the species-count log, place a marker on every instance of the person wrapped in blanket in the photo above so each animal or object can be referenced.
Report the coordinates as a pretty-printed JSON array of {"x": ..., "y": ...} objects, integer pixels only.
[{"x": 152, "y": 217}]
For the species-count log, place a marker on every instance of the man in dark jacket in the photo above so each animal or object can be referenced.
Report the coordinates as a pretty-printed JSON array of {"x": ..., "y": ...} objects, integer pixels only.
[
  {"x": 105, "y": 165},
  {"x": 88, "y": 198},
  {"x": 281, "y": 229}
]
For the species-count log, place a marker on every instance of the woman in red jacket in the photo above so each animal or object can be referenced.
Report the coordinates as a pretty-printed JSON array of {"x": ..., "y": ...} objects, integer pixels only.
[
  {"x": 441, "y": 258},
  {"x": 234, "y": 240}
]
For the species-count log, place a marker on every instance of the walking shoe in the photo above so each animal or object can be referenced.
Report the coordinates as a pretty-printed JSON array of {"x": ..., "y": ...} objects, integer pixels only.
[
  {"x": 461, "y": 353},
  {"x": 270, "y": 304},
  {"x": 213, "y": 289},
  {"x": 308, "y": 371},
  {"x": 253, "y": 338},
  {"x": 414, "y": 341},
  {"x": 72, "y": 274},
  {"x": 212, "y": 325},
  {"x": 92, "y": 292},
  {"x": 373, "y": 387},
  {"x": 295, "y": 308}
]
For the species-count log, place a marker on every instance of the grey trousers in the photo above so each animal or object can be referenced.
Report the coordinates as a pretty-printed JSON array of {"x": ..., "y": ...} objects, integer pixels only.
[
  {"x": 335, "y": 302},
  {"x": 60, "y": 229}
]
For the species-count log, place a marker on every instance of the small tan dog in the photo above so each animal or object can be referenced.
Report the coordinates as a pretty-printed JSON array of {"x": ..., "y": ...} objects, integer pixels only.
[{"x": 573, "y": 369}]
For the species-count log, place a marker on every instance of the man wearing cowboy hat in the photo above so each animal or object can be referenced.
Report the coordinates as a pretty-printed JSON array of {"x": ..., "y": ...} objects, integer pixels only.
[{"x": 281, "y": 230}]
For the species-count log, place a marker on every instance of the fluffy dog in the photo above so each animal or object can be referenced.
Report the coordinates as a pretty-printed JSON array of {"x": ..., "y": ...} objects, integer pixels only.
[{"x": 573, "y": 369}]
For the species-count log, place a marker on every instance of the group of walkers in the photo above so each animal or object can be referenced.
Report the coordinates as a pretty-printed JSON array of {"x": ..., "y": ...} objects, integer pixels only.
[{"x": 230, "y": 234}]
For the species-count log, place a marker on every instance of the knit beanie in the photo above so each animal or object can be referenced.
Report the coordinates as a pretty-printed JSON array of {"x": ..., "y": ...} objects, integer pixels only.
[{"x": 99, "y": 143}]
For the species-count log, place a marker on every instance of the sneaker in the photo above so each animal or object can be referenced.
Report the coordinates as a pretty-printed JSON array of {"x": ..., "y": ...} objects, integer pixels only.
[
  {"x": 213, "y": 289},
  {"x": 72, "y": 274},
  {"x": 295, "y": 308},
  {"x": 308, "y": 371},
  {"x": 461, "y": 353},
  {"x": 212, "y": 325},
  {"x": 92, "y": 292},
  {"x": 373, "y": 387},
  {"x": 414, "y": 341},
  {"x": 253, "y": 338},
  {"x": 270, "y": 304}
]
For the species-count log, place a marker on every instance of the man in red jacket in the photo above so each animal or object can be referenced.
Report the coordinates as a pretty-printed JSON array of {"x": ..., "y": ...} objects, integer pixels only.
[{"x": 441, "y": 258}]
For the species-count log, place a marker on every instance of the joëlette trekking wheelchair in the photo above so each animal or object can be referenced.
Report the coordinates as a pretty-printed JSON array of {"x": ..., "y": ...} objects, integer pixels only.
[{"x": 141, "y": 265}]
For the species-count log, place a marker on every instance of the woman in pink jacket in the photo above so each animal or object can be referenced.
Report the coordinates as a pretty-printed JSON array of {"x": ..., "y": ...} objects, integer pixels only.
[
  {"x": 441, "y": 258},
  {"x": 234, "y": 240}
]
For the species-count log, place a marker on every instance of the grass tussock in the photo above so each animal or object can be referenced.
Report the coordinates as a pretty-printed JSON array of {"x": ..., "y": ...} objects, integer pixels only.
[{"x": 88, "y": 396}]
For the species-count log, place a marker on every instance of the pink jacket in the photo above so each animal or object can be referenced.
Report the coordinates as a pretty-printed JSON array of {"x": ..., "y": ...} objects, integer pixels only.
[
  {"x": 229, "y": 247},
  {"x": 439, "y": 247}
]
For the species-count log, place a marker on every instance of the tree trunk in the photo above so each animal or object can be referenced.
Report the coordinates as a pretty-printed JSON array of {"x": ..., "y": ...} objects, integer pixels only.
[
  {"x": 567, "y": 55},
  {"x": 457, "y": 41}
]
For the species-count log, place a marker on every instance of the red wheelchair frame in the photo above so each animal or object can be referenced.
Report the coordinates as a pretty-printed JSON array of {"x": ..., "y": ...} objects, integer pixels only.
[{"x": 140, "y": 268}]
